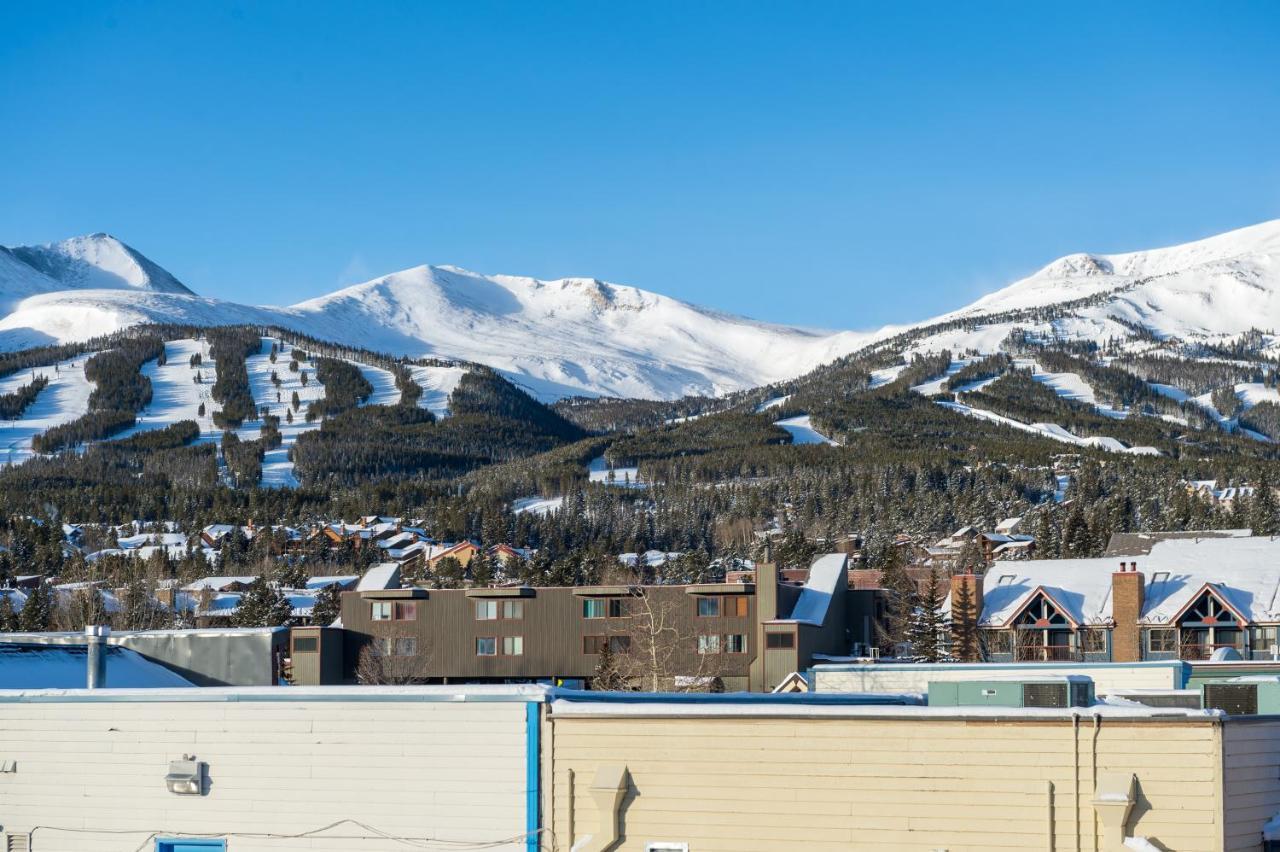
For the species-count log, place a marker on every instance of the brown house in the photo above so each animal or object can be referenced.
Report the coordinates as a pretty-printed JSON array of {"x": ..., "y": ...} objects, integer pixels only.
[{"x": 735, "y": 636}]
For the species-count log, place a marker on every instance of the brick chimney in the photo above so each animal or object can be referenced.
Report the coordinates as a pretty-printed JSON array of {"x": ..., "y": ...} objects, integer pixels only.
[
  {"x": 1127, "y": 590},
  {"x": 966, "y": 610}
]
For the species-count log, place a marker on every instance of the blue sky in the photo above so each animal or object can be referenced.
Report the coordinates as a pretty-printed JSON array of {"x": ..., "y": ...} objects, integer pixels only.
[{"x": 837, "y": 165}]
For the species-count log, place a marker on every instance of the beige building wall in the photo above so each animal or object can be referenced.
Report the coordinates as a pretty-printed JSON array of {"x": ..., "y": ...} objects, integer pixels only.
[
  {"x": 905, "y": 782},
  {"x": 406, "y": 765},
  {"x": 1251, "y": 766},
  {"x": 888, "y": 677}
]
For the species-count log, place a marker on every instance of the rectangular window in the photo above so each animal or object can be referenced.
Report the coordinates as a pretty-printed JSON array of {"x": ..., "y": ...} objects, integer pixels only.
[
  {"x": 381, "y": 610},
  {"x": 593, "y": 608},
  {"x": 513, "y": 609},
  {"x": 617, "y": 608},
  {"x": 619, "y": 644},
  {"x": 486, "y": 646},
  {"x": 998, "y": 641},
  {"x": 406, "y": 611},
  {"x": 779, "y": 640},
  {"x": 305, "y": 644},
  {"x": 593, "y": 644},
  {"x": 1094, "y": 641},
  {"x": 735, "y": 643},
  {"x": 404, "y": 646},
  {"x": 709, "y": 644},
  {"x": 486, "y": 610},
  {"x": 512, "y": 646},
  {"x": 1162, "y": 640},
  {"x": 708, "y": 607},
  {"x": 734, "y": 606},
  {"x": 1263, "y": 638}
]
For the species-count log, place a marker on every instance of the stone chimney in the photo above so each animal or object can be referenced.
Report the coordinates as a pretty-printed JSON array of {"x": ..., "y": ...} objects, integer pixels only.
[
  {"x": 966, "y": 610},
  {"x": 1127, "y": 590}
]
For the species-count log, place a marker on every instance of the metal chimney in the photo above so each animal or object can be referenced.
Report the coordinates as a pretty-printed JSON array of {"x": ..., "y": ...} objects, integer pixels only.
[{"x": 96, "y": 669}]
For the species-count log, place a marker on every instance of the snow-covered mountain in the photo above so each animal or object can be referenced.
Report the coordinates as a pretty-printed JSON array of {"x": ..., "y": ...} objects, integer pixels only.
[
  {"x": 583, "y": 336},
  {"x": 555, "y": 338}
]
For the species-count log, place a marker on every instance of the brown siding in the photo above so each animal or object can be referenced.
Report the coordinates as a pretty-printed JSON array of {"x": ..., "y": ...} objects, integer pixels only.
[{"x": 553, "y": 628}]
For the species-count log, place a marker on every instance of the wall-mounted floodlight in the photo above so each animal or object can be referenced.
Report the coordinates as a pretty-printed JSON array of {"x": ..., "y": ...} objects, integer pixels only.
[{"x": 186, "y": 776}]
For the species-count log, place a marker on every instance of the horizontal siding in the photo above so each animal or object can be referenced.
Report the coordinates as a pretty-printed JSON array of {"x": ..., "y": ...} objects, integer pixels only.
[
  {"x": 917, "y": 784},
  {"x": 892, "y": 679},
  {"x": 450, "y": 772},
  {"x": 1251, "y": 775}
]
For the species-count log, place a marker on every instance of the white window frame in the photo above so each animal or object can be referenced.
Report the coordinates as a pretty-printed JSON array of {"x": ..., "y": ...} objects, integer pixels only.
[
  {"x": 489, "y": 608},
  {"x": 515, "y": 644},
  {"x": 382, "y": 610},
  {"x": 492, "y": 639}
]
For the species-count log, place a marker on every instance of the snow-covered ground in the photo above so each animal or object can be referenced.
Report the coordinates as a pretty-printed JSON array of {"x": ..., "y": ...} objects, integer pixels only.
[
  {"x": 935, "y": 386},
  {"x": 776, "y": 402},
  {"x": 65, "y": 398},
  {"x": 1049, "y": 430},
  {"x": 802, "y": 431},
  {"x": 536, "y": 505},
  {"x": 437, "y": 384},
  {"x": 385, "y": 391},
  {"x": 882, "y": 377},
  {"x": 277, "y": 469},
  {"x": 175, "y": 395},
  {"x": 599, "y": 471}
]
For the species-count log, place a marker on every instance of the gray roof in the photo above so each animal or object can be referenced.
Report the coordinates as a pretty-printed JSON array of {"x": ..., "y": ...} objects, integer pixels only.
[{"x": 1140, "y": 544}]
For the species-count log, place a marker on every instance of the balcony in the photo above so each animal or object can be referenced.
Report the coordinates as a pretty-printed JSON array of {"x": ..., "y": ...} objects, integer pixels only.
[
  {"x": 1047, "y": 654},
  {"x": 1203, "y": 652}
]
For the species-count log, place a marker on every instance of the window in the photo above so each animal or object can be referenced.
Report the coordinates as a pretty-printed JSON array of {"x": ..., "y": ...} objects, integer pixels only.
[
  {"x": 404, "y": 646},
  {"x": 735, "y": 643},
  {"x": 779, "y": 640},
  {"x": 513, "y": 609},
  {"x": 1162, "y": 640},
  {"x": 1094, "y": 641},
  {"x": 593, "y": 608},
  {"x": 734, "y": 606},
  {"x": 305, "y": 644},
  {"x": 709, "y": 644},
  {"x": 512, "y": 646},
  {"x": 486, "y": 610},
  {"x": 593, "y": 644},
  {"x": 381, "y": 610},
  {"x": 486, "y": 646},
  {"x": 617, "y": 608},
  {"x": 1160, "y": 577},
  {"x": 1263, "y": 638},
  {"x": 998, "y": 641},
  {"x": 708, "y": 607},
  {"x": 619, "y": 644},
  {"x": 406, "y": 611}
]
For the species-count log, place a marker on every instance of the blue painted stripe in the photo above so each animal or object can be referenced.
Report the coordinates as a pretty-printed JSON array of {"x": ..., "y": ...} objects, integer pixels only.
[
  {"x": 532, "y": 763},
  {"x": 823, "y": 668}
]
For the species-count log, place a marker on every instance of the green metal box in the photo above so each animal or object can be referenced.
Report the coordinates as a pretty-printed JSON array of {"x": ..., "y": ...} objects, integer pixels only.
[{"x": 1070, "y": 691}]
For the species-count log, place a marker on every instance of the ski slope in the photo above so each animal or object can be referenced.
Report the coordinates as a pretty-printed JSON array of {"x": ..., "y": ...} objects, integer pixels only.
[
  {"x": 437, "y": 384},
  {"x": 802, "y": 431},
  {"x": 277, "y": 468},
  {"x": 175, "y": 395},
  {"x": 1049, "y": 430},
  {"x": 64, "y": 399}
]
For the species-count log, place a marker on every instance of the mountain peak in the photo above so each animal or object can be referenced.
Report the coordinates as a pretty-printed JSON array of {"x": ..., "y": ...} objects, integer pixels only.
[{"x": 98, "y": 262}]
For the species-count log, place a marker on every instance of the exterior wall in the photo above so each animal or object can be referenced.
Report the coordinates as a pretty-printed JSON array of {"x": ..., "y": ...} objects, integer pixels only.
[
  {"x": 1251, "y": 752},
  {"x": 445, "y": 770},
  {"x": 1126, "y": 608},
  {"x": 819, "y": 783},
  {"x": 886, "y": 677},
  {"x": 552, "y": 628}
]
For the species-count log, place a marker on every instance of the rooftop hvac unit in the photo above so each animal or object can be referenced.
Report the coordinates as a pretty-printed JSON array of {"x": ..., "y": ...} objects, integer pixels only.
[
  {"x": 1057, "y": 692},
  {"x": 1243, "y": 696}
]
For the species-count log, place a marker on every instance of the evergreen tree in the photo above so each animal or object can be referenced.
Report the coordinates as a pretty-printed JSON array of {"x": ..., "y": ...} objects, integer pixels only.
[
  {"x": 481, "y": 568},
  {"x": 900, "y": 600},
  {"x": 328, "y": 606},
  {"x": 8, "y": 618},
  {"x": 263, "y": 605},
  {"x": 965, "y": 643},
  {"x": 449, "y": 573},
  {"x": 37, "y": 612},
  {"x": 607, "y": 676}
]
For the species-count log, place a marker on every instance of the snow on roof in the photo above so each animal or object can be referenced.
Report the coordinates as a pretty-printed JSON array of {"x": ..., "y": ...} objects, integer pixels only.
[
  {"x": 129, "y": 542},
  {"x": 340, "y": 579},
  {"x": 1082, "y": 587},
  {"x": 384, "y": 575},
  {"x": 66, "y": 667},
  {"x": 17, "y": 598},
  {"x": 218, "y": 583},
  {"x": 1244, "y": 572},
  {"x": 826, "y": 574}
]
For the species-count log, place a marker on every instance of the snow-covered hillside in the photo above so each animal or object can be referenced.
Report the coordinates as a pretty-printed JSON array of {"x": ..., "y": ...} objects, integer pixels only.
[{"x": 584, "y": 336}]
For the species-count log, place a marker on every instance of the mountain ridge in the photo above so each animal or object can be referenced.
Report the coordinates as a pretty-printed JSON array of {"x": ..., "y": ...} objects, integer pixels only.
[{"x": 584, "y": 336}]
